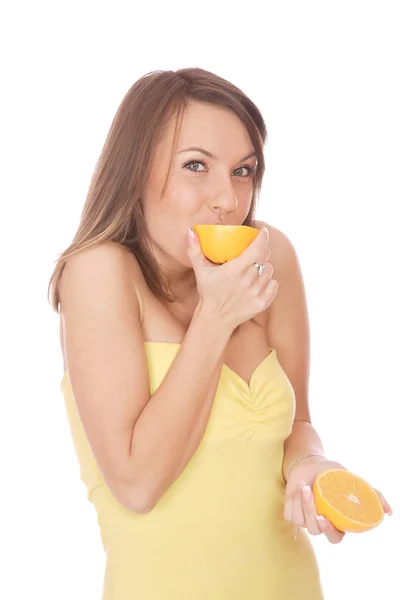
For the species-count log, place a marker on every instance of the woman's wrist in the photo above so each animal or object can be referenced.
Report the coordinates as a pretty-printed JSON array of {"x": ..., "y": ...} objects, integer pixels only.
[
  {"x": 304, "y": 459},
  {"x": 210, "y": 318}
]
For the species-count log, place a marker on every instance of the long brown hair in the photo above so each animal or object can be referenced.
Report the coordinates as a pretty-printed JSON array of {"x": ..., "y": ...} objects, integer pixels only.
[{"x": 113, "y": 207}]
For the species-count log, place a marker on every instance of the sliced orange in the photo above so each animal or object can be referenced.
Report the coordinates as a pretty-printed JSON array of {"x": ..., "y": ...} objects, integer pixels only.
[
  {"x": 347, "y": 500},
  {"x": 220, "y": 243}
]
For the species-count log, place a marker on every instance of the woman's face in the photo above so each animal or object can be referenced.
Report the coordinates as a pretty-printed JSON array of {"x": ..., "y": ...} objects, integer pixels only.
[{"x": 210, "y": 180}]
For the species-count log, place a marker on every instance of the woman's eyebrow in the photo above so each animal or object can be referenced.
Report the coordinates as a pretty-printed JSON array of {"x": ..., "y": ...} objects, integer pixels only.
[{"x": 211, "y": 155}]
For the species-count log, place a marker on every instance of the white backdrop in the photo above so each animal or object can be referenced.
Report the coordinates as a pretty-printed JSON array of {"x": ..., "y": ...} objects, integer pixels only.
[{"x": 326, "y": 78}]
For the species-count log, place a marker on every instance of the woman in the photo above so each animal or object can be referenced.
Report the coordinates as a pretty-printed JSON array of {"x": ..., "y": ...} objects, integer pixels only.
[{"x": 186, "y": 382}]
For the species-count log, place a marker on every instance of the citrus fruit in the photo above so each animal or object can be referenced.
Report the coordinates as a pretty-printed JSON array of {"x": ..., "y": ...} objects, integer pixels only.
[
  {"x": 220, "y": 243},
  {"x": 347, "y": 501}
]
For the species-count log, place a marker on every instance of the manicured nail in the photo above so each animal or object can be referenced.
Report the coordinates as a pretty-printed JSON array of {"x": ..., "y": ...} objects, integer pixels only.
[
  {"x": 190, "y": 236},
  {"x": 307, "y": 493},
  {"x": 322, "y": 523}
]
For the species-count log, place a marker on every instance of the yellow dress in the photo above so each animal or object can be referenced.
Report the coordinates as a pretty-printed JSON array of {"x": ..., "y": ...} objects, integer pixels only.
[{"x": 218, "y": 532}]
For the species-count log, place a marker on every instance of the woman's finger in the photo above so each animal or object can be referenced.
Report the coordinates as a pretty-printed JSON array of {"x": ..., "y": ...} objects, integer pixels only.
[
  {"x": 310, "y": 512},
  {"x": 298, "y": 517},
  {"x": 288, "y": 509},
  {"x": 334, "y": 535},
  {"x": 386, "y": 507}
]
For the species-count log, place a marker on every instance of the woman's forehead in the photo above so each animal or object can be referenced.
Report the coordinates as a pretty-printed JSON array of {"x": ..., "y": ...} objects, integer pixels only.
[{"x": 214, "y": 128}]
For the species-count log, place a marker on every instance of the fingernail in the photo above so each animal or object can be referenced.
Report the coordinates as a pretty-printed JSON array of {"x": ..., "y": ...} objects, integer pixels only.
[
  {"x": 321, "y": 523},
  {"x": 191, "y": 236},
  {"x": 307, "y": 493}
]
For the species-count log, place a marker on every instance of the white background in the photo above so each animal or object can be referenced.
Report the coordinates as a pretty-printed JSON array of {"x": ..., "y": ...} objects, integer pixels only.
[{"x": 326, "y": 78}]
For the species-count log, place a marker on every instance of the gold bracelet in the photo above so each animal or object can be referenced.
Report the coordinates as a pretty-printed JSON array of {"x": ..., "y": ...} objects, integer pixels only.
[{"x": 298, "y": 459}]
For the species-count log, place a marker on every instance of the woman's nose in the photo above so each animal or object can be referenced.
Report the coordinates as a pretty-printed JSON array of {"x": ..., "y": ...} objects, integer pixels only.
[{"x": 224, "y": 199}]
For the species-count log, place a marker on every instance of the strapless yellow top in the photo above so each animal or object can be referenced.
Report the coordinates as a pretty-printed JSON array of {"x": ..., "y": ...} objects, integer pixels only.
[{"x": 218, "y": 532}]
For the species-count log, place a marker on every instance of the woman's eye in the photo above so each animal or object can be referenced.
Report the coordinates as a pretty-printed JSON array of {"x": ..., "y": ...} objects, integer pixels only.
[
  {"x": 195, "y": 166},
  {"x": 242, "y": 171}
]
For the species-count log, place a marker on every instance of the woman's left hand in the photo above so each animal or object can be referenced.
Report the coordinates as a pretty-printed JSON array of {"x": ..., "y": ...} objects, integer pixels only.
[{"x": 299, "y": 499}]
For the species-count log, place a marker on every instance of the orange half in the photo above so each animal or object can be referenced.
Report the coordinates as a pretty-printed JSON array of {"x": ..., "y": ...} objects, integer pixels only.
[
  {"x": 220, "y": 243},
  {"x": 347, "y": 500}
]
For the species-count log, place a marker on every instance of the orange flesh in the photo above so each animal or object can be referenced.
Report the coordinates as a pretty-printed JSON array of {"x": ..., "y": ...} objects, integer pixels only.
[{"x": 343, "y": 492}]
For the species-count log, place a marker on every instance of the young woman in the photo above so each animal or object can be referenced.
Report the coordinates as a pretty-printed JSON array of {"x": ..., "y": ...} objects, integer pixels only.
[{"x": 186, "y": 382}]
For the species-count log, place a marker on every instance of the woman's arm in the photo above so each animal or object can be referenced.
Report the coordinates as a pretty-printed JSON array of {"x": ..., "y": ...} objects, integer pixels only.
[
  {"x": 289, "y": 333},
  {"x": 302, "y": 442},
  {"x": 172, "y": 424},
  {"x": 140, "y": 442}
]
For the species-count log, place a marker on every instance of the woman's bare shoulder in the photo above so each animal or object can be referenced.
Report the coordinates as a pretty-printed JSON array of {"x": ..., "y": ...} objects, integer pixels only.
[
  {"x": 107, "y": 253},
  {"x": 103, "y": 263},
  {"x": 280, "y": 245},
  {"x": 97, "y": 278}
]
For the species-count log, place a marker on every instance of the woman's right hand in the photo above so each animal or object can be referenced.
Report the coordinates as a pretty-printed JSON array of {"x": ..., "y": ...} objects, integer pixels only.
[{"x": 233, "y": 290}]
